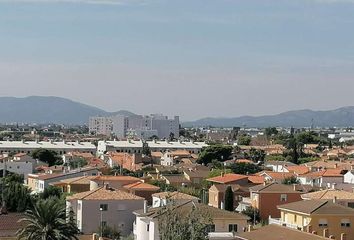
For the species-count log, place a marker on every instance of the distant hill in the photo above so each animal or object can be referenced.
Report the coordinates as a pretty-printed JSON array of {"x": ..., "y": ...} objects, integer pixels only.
[
  {"x": 341, "y": 117},
  {"x": 48, "y": 110}
]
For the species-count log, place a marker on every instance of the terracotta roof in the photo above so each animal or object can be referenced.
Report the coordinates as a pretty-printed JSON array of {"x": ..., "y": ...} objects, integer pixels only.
[
  {"x": 197, "y": 174},
  {"x": 78, "y": 180},
  {"x": 298, "y": 169},
  {"x": 141, "y": 186},
  {"x": 176, "y": 178},
  {"x": 180, "y": 153},
  {"x": 329, "y": 194},
  {"x": 244, "y": 161},
  {"x": 317, "y": 206},
  {"x": 256, "y": 179},
  {"x": 104, "y": 193},
  {"x": 273, "y": 188},
  {"x": 277, "y": 232},
  {"x": 276, "y": 175},
  {"x": 325, "y": 173},
  {"x": 156, "y": 154},
  {"x": 116, "y": 178},
  {"x": 227, "y": 178},
  {"x": 174, "y": 196},
  {"x": 235, "y": 187}
]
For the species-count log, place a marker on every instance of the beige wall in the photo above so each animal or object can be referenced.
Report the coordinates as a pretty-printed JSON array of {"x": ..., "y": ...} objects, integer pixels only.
[
  {"x": 300, "y": 220},
  {"x": 222, "y": 225},
  {"x": 334, "y": 226}
]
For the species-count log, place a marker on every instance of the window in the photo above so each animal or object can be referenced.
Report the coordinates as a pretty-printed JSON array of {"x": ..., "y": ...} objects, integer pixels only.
[
  {"x": 283, "y": 197},
  {"x": 103, "y": 224},
  {"x": 345, "y": 223},
  {"x": 103, "y": 207},
  {"x": 351, "y": 204},
  {"x": 147, "y": 227},
  {"x": 232, "y": 227},
  {"x": 211, "y": 228},
  {"x": 322, "y": 223}
]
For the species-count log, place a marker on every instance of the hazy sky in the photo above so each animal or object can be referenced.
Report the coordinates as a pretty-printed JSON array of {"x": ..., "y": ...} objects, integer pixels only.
[{"x": 194, "y": 58}]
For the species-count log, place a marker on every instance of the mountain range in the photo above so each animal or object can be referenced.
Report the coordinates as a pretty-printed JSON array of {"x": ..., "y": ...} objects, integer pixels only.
[
  {"x": 341, "y": 117},
  {"x": 37, "y": 109}
]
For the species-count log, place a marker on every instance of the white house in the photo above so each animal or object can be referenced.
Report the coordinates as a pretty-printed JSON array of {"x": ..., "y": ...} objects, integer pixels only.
[
  {"x": 349, "y": 177},
  {"x": 167, "y": 159},
  {"x": 104, "y": 206},
  {"x": 278, "y": 166}
]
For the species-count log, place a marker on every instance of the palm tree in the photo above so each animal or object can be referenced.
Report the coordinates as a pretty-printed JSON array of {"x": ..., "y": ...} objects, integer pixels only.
[{"x": 48, "y": 221}]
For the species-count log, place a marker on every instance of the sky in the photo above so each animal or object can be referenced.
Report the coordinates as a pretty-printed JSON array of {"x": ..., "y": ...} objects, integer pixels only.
[{"x": 193, "y": 58}]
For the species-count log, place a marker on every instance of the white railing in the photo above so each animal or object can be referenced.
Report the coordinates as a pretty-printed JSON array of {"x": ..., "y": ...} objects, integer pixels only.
[
  {"x": 278, "y": 221},
  {"x": 221, "y": 235}
]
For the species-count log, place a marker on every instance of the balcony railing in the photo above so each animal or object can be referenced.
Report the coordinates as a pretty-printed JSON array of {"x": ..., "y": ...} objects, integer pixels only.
[
  {"x": 221, "y": 235},
  {"x": 278, "y": 221}
]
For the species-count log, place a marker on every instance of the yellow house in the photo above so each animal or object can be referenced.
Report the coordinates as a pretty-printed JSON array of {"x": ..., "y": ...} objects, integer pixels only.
[{"x": 322, "y": 217}]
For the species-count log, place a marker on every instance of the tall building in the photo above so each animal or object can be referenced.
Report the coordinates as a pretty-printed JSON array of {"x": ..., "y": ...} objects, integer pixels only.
[
  {"x": 145, "y": 126},
  {"x": 100, "y": 125}
]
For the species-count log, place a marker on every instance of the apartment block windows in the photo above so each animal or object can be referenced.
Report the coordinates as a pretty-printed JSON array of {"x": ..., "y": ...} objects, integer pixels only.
[
  {"x": 104, "y": 207},
  {"x": 232, "y": 227},
  {"x": 345, "y": 223},
  {"x": 323, "y": 223}
]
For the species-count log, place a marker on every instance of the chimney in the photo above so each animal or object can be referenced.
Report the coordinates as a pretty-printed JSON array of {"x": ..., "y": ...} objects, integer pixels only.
[
  {"x": 145, "y": 206},
  {"x": 222, "y": 174},
  {"x": 250, "y": 228},
  {"x": 106, "y": 186},
  {"x": 264, "y": 183},
  {"x": 325, "y": 232},
  {"x": 335, "y": 165},
  {"x": 294, "y": 187},
  {"x": 222, "y": 206},
  {"x": 334, "y": 199},
  {"x": 343, "y": 236}
]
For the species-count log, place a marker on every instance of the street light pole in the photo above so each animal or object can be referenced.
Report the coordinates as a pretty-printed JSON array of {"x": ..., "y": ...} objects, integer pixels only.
[{"x": 101, "y": 225}]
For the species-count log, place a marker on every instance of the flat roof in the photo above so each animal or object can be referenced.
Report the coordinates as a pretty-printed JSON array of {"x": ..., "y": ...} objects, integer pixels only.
[
  {"x": 46, "y": 145},
  {"x": 154, "y": 144}
]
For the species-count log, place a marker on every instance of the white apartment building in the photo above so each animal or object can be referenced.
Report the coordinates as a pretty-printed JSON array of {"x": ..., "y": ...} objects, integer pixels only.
[
  {"x": 131, "y": 146},
  {"x": 62, "y": 147},
  {"x": 136, "y": 126},
  {"x": 101, "y": 125}
]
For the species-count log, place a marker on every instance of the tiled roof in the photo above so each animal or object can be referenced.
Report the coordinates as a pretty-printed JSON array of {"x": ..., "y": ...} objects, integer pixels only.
[
  {"x": 273, "y": 188},
  {"x": 227, "y": 178},
  {"x": 78, "y": 180},
  {"x": 116, "y": 178},
  {"x": 317, "y": 206},
  {"x": 325, "y": 173},
  {"x": 185, "y": 208},
  {"x": 298, "y": 169},
  {"x": 141, "y": 186},
  {"x": 277, "y": 232},
  {"x": 176, "y": 178},
  {"x": 104, "y": 193},
  {"x": 329, "y": 194},
  {"x": 174, "y": 196},
  {"x": 256, "y": 179},
  {"x": 197, "y": 174},
  {"x": 277, "y": 175}
]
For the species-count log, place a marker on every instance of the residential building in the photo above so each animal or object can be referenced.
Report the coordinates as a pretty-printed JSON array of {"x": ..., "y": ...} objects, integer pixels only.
[
  {"x": 133, "y": 146},
  {"x": 116, "y": 182},
  {"x": 323, "y": 217},
  {"x": 104, "y": 206},
  {"x": 145, "y": 126},
  {"x": 266, "y": 198},
  {"x": 38, "y": 182},
  {"x": 75, "y": 185},
  {"x": 143, "y": 190},
  {"x": 279, "y": 177},
  {"x": 342, "y": 197},
  {"x": 349, "y": 177},
  {"x": 229, "y": 178},
  {"x": 100, "y": 126},
  {"x": 323, "y": 178},
  {"x": 164, "y": 198},
  {"x": 278, "y": 166},
  {"x": 22, "y": 165},
  {"x": 217, "y": 194},
  {"x": 224, "y": 224},
  {"x": 130, "y": 161},
  {"x": 60, "y": 148}
]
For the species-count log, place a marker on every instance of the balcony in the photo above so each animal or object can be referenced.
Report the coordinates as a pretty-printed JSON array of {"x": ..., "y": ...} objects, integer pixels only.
[
  {"x": 278, "y": 221},
  {"x": 221, "y": 235}
]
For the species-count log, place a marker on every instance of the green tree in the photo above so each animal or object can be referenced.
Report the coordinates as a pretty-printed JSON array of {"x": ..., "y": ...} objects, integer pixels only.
[
  {"x": 50, "y": 192},
  {"x": 257, "y": 155},
  {"x": 290, "y": 180},
  {"x": 229, "y": 199},
  {"x": 244, "y": 168},
  {"x": 48, "y": 221},
  {"x": 47, "y": 156},
  {"x": 270, "y": 131},
  {"x": 175, "y": 224},
  {"x": 295, "y": 149},
  {"x": 244, "y": 139},
  {"x": 215, "y": 152},
  {"x": 16, "y": 196}
]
